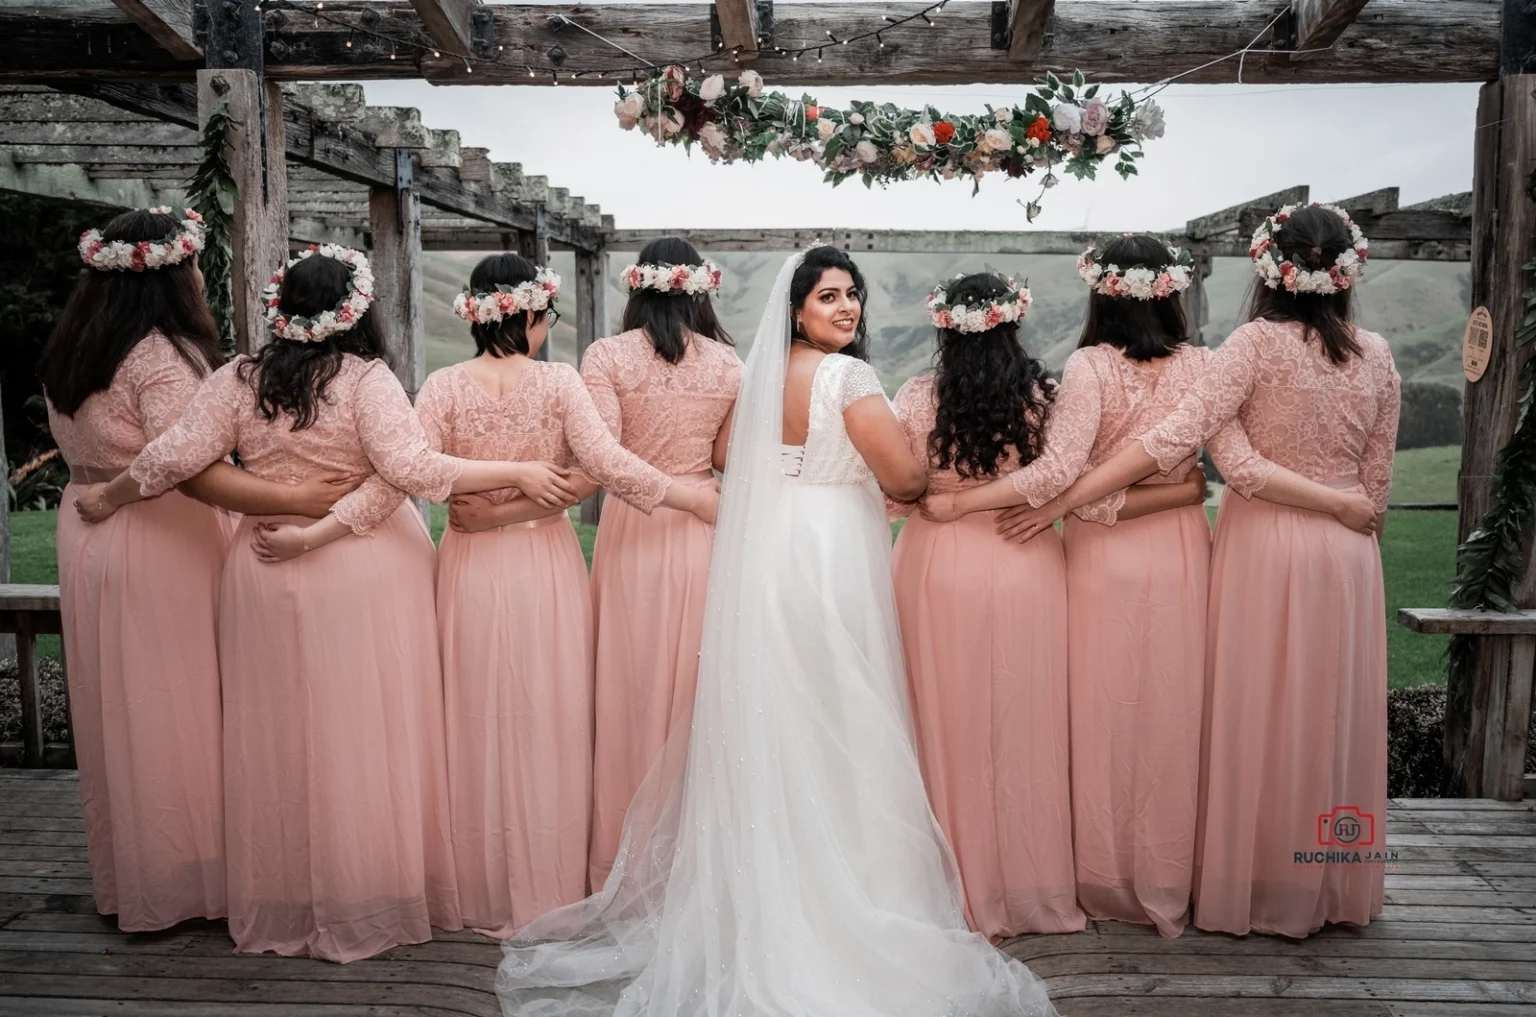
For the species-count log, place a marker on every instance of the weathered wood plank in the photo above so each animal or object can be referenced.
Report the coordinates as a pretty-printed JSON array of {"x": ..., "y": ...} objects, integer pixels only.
[
  {"x": 1319, "y": 23},
  {"x": 395, "y": 225},
  {"x": 34, "y": 1006},
  {"x": 738, "y": 25},
  {"x": 168, "y": 22},
  {"x": 297, "y": 994},
  {"x": 1244, "y": 217},
  {"x": 447, "y": 23},
  {"x": 1027, "y": 24},
  {"x": 1417, "y": 989},
  {"x": 1451, "y": 621}
]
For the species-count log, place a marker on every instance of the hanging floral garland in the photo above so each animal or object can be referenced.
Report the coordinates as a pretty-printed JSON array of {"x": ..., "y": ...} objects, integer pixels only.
[
  {"x": 212, "y": 193},
  {"x": 1059, "y": 126}
]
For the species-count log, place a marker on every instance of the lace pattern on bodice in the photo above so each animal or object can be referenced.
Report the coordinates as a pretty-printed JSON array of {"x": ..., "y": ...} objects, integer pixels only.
[
  {"x": 828, "y": 455},
  {"x": 667, "y": 414}
]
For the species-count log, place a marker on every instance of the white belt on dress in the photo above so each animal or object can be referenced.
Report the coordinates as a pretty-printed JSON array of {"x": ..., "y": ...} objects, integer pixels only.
[{"x": 93, "y": 474}]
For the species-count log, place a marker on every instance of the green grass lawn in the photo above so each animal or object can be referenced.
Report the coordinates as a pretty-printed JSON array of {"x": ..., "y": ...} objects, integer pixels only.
[{"x": 1426, "y": 475}]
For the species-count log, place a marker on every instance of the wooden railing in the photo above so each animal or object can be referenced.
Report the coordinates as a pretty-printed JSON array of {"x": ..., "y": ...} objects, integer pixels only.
[
  {"x": 29, "y": 612},
  {"x": 1500, "y": 718}
]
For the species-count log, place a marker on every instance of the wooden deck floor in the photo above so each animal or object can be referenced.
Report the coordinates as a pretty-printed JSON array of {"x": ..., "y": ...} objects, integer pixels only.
[{"x": 1458, "y": 939}]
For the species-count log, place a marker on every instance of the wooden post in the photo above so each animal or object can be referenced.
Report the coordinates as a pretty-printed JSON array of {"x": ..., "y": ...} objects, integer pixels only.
[
  {"x": 535, "y": 247},
  {"x": 395, "y": 221},
  {"x": 591, "y": 321},
  {"x": 1197, "y": 305},
  {"x": 7, "y": 641},
  {"x": 1503, "y": 222}
]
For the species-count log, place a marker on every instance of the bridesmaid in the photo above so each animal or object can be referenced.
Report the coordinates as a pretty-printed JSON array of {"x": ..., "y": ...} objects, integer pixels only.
[
  {"x": 1136, "y": 591},
  {"x": 665, "y": 387},
  {"x": 139, "y": 595},
  {"x": 1293, "y": 794},
  {"x": 335, "y": 790},
  {"x": 513, "y": 607}
]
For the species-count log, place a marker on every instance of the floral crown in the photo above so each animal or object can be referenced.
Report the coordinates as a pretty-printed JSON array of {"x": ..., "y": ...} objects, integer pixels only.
[
  {"x": 120, "y": 255},
  {"x": 1275, "y": 272},
  {"x": 1137, "y": 282},
  {"x": 690, "y": 279},
  {"x": 979, "y": 317},
  {"x": 504, "y": 301},
  {"x": 328, "y": 323}
]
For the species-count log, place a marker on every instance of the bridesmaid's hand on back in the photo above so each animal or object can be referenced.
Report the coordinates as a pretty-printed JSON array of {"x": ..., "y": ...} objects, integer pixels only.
[{"x": 314, "y": 496}]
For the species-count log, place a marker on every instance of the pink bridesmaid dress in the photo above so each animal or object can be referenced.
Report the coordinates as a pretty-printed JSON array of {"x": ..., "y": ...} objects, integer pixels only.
[
  {"x": 1293, "y": 782},
  {"x": 515, "y": 619},
  {"x": 139, "y": 594},
  {"x": 1136, "y": 605},
  {"x": 984, "y": 633},
  {"x": 649, "y": 573},
  {"x": 334, "y": 758}
]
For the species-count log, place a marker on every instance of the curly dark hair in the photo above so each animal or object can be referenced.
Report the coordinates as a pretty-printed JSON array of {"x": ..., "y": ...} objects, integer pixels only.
[
  {"x": 509, "y": 336},
  {"x": 816, "y": 262},
  {"x": 1141, "y": 329},
  {"x": 109, "y": 313},
  {"x": 1312, "y": 238},
  {"x": 291, "y": 377},
  {"x": 991, "y": 393},
  {"x": 668, "y": 317}
]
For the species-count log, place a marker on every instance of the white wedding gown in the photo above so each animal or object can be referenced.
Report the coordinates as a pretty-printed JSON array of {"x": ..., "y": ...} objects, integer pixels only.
[{"x": 781, "y": 859}]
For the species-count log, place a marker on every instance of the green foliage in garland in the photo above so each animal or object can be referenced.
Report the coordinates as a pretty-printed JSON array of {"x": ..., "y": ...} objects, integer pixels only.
[
  {"x": 1489, "y": 561},
  {"x": 213, "y": 194}
]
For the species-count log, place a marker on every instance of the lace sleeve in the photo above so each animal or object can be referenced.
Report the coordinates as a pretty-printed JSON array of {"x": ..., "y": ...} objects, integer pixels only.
[
  {"x": 601, "y": 456},
  {"x": 163, "y": 384},
  {"x": 201, "y": 436},
  {"x": 597, "y": 373},
  {"x": 857, "y": 380},
  {"x": 394, "y": 440},
  {"x": 1071, "y": 427},
  {"x": 376, "y": 500},
  {"x": 1376, "y": 459},
  {"x": 1241, "y": 466},
  {"x": 1228, "y": 378},
  {"x": 908, "y": 407},
  {"x": 1106, "y": 510}
]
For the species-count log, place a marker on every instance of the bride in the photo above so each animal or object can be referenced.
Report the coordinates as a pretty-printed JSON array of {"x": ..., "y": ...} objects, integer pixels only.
[{"x": 781, "y": 859}]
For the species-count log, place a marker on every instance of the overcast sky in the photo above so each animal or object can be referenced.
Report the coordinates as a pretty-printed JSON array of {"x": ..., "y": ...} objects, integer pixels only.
[{"x": 1224, "y": 144}]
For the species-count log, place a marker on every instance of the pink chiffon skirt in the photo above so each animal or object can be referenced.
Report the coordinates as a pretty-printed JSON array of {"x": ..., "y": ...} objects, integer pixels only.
[
  {"x": 140, "y": 594},
  {"x": 1294, "y": 777},
  {"x": 515, "y": 618},
  {"x": 336, "y": 789},
  {"x": 984, "y": 633},
  {"x": 1136, "y": 598},
  {"x": 649, "y": 579}
]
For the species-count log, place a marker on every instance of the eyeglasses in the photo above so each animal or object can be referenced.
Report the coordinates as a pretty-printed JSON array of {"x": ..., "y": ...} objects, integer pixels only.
[{"x": 554, "y": 316}]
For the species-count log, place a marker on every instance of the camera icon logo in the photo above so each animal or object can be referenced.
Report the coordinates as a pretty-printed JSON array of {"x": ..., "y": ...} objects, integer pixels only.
[{"x": 1346, "y": 826}]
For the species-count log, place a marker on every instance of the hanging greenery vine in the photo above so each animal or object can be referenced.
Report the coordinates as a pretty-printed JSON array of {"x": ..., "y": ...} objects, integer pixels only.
[
  {"x": 213, "y": 194},
  {"x": 1489, "y": 561}
]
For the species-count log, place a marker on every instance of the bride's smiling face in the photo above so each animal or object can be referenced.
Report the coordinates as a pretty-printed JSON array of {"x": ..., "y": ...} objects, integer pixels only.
[{"x": 829, "y": 317}]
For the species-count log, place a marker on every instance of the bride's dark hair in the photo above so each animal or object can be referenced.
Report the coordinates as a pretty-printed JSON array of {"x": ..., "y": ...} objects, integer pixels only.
[
  {"x": 991, "y": 393},
  {"x": 668, "y": 317},
  {"x": 816, "y": 262}
]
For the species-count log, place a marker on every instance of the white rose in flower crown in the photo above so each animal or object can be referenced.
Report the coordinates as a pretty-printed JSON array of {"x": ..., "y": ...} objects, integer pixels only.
[
  {"x": 1095, "y": 117},
  {"x": 998, "y": 140},
  {"x": 826, "y": 128},
  {"x": 713, "y": 87},
  {"x": 1003, "y": 116},
  {"x": 1105, "y": 144},
  {"x": 1138, "y": 281},
  {"x": 868, "y": 151},
  {"x": 752, "y": 82},
  {"x": 1067, "y": 118},
  {"x": 1147, "y": 124},
  {"x": 921, "y": 135}
]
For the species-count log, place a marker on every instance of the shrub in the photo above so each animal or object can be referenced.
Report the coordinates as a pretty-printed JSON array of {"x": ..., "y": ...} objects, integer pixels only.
[{"x": 1431, "y": 415}]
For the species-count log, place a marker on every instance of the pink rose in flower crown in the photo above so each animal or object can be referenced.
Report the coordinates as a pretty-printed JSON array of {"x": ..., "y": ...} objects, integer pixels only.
[
  {"x": 679, "y": 275},
  {"x": 1095, "y": 117},
  {"x": 672, "y": 79},
  {"x": 714, "y": 278},
  {"x": 345, "y": 314}
]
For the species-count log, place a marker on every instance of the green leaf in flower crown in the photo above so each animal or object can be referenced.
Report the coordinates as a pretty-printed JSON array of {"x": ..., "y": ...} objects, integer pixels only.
[
  {"x": 869, "y": 181},
  {"x": 1052, "y": 82},
  {"x": 1093, "y": 90},
  {"x": 1037, "y": 105},
  {"x": 1077, "y": 79}
]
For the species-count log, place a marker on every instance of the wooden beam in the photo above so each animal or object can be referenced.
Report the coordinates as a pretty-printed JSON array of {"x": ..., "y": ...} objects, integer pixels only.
[
  {"x": 1197, "y": 304},
  {"x": 7, "y": 640},
  {"x": 1371, "y": 203},
  {"x": 447, "y": 23},
  {"x": 168, "y": 22},
  {"x": 1027, "y": 22},
  {"x": 1319, "y": 23},
  {"x": 1110, "y": 40},
  {"x": 534, "y": 245},
  {"x": 738, "y": 24},
  {"x": 1244, "y": 218},
  {"x": 395, "y": 228}
]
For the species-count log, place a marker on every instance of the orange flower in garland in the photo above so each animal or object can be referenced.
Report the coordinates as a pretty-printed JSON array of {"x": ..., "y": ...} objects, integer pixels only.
[
  {"x": 1039, "y": 131},
  {"x": 943, "y": 132}
]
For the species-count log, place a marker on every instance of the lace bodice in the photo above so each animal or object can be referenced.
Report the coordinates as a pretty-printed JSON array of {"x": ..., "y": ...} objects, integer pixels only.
[
  {"x": 1327, "y": 422},
  {"x": 667, "y": 414},
  {"x": 152, "y": 386},
  {"x": 548, "y": 417},
  {"x": 828, "y": 455},
  {"x": 1105, "y": 401},
  {"x": 365, "y": 424}
]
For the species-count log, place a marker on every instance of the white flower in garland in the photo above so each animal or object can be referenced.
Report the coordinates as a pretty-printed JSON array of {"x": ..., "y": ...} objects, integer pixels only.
[
  {"x": 980, "y": 317},
  {"x": 122, "y": 256},
  {"x": 690, "y": 279},
  {"x": 1137, "y": 282},
  {"x": 338, "y": 319},
  {"x": 483, "y": 308},
  {"x": 1276, "y": 270}
]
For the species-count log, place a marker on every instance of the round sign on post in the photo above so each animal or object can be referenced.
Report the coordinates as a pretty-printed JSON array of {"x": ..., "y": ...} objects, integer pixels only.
[{"x": 1477, "y": 344}]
